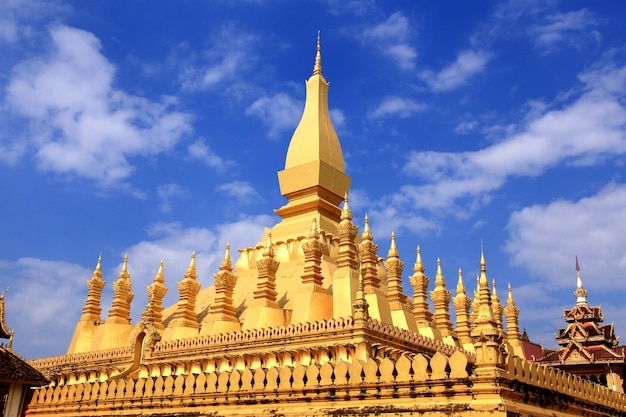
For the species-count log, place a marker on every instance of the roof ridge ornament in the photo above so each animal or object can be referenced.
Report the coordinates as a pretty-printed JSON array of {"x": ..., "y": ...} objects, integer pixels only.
[{"x": 580, "y": 293}]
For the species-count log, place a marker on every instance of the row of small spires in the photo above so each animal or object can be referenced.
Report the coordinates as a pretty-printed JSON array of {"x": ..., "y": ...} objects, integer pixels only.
[
  {"x": 225, "y": 281},
  {"x": 122, "y": 297}
]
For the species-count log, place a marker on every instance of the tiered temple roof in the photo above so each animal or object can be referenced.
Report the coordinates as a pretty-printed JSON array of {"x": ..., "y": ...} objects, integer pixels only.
[{"x": 588, "y": 347}]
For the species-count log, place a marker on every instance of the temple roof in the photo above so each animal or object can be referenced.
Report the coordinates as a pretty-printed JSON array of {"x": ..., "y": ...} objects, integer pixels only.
[
  {"x": 585, "y": 339},
  {"x": 14, "y": 369}
]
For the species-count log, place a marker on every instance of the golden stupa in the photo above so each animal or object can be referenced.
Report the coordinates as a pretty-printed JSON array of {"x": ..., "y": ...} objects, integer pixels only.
[{"x": 311, "y": 321}]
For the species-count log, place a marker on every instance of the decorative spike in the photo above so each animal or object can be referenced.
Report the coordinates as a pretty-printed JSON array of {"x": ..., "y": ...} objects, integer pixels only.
[
  {"x": 97, "y": 273},
  {"x": 226, "y": 263},
  {"x": 510, "y": 302},
  {"x": 314, "y": 232},
  {"x": 419, "y": 265},
  {"x": 346, "y": 214},
  {"x": 460, "y": 286},
  {"x": 482, "y": 281},
  {"x": 393, "y": 250},
  {"x": 360, "y": 307},
  {"x": 439, "y": 276},
  {"x": 269, "y": 250},
  {"x": 160, "y": 276},
  {"x": 367, "y": 234},
  {"x": 317, "y": 68},
  {"x": 191, "y": 270},
  {"x": 462, "y": 304},
  {"x": 494, "y": 295},
  {"x": 580, "y": 293},
  {"x": 124, "y": 274}
]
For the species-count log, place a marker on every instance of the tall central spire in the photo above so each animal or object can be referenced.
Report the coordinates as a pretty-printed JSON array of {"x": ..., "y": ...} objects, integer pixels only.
[{"x": 313, "y": 181}]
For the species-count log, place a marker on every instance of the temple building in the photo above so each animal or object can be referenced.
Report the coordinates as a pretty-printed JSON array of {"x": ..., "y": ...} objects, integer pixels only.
[
  {"x": 16, "y": 376},
  {"x": 589, "y": 349},
  {"x": 311, "y": 321}
]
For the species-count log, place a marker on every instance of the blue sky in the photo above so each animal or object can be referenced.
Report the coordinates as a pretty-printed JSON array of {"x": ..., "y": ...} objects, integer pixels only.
[{"x": 157, "y": 128}]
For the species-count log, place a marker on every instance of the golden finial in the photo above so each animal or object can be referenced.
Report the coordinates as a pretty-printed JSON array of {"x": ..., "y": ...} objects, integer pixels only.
[
  {"x": 580, "y": 293},
  {"x": 439, "y": 281},
  {"x": 393, "y": 250},
  {"x": 317, "y": 68},
  {"x": 419, "y": 265},
  {"x": 314, "y": 232},
  {"x": 367, "y": 234},
  {"x": 483, "y": 264},
  {"x": 226, "y": 263},
  {"x": 494, "y": 292},
  {"x": 509, "y": 300},
  {"x": 97, "y": 273},
  {"x": 460, "y": 286},
  {"x": 124, "y": 274},
  {"x": 346, "y": 214},
  {"x": 160, "y": 276},
  {"x": 268, "y": 251},
  {"x": 483, "y": 282},
  {"x": 191, "y": 270}
]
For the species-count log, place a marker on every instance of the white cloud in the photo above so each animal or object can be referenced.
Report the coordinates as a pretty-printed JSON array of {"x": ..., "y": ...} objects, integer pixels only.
[
  {"x": 545, "y": 239},
  {"x": 541, "y": 23},
  {"x": 231, "y": 55},
  {"x": 200, "y": 150},
  {"x": 81, "y": 124},
  {"x": 397, "y": 106},
  {"x": 280, "y": 113},
  {"x": 17, "y": 17},
  {"x": 60, "y": 290},
  {"x": 391, "y": 38},
  {"x": 468, "y": 63},
  {"x": 168, "y": 191},
  {"x": 338, "y": 119},
  {"x": 464, "y": 128},
  {"x": 565, "y": 28},
  {"x": 581, "y": 133},
  {"x": 241, "y": 191}
]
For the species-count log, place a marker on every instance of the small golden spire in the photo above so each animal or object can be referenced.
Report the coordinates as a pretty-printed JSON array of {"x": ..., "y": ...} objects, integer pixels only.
[
  {"x": 393, "y": 250},
  {"x": 439, "y": 281},
  {"x": 419, "y": 265},
  {"x": 313, "y": 233},
  {"x": 367, "y": 234},
  {"x": 494, "y": 295},
  {"x": 124, "y": 274},
  {"x": 460, "y": 286},
  {"x": 268, "y": 251},
  {"x": 97, "y": 273},
  {"x": 482, "y": 281},
  {"x": 346, "y": 214},
  {"x": 160, "y": 276},
  {"x": 510, "y": 302},
  {"x": 226, "y": 263},
  {"x": 317, "y": 68},
  {"x": 191, "y": 270}
]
